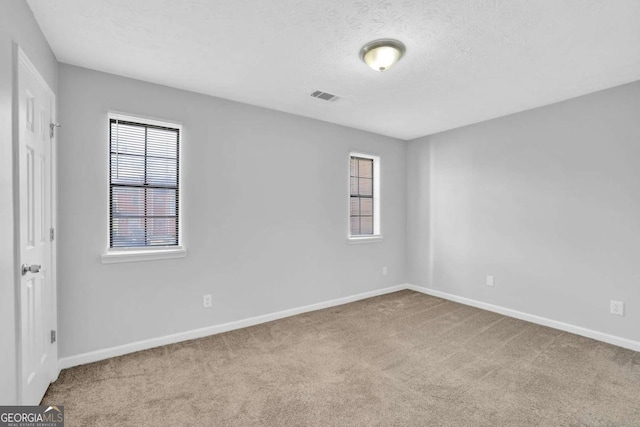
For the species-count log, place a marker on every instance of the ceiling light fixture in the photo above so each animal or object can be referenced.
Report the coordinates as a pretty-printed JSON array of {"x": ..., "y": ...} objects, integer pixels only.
[{"x": 382, "y": 54}]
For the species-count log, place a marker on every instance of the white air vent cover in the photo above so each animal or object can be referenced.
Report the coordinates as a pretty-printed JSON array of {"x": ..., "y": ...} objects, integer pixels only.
[{"x": 325, "y": 96}]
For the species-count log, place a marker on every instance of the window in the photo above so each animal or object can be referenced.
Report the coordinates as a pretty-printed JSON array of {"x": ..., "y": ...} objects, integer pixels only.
[
  {"x": 364, "y": 197},
  {"x": 144, "y": 190}
]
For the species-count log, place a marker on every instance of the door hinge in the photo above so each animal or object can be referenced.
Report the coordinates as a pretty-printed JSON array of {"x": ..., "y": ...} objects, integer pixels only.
[
  {"x": 53, "y": 336},
  {"x": 52, "y": 234},
  {"x": 52, "y": 126}
]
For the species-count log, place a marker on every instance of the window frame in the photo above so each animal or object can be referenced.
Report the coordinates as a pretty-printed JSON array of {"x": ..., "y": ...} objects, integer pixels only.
[
  {"x": 376, "y": 237},
  {"x": 144, "y": 253}
]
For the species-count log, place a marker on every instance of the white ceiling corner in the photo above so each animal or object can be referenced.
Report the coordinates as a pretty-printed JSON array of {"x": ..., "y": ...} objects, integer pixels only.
[{"x": 466, "y": 61}]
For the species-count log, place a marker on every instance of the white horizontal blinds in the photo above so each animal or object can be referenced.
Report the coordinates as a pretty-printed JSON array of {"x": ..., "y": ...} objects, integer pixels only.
[
  {"x": 144, "y": 196},
  {"x": 361, "y": 210}
]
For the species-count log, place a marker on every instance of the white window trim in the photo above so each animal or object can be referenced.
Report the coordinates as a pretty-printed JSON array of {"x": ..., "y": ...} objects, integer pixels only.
[
  {"x": 130, "y": 255},
  {"x": 117, "y": 255},
  {"x": 356, "y": 240},
  {"x": 376, "y": 237}
]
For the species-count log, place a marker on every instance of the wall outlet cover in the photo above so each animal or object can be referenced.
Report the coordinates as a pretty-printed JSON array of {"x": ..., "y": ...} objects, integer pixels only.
[
  {"x": 206, "y": 301},
  {"x": 617, "y": 308},
  {"x": 490, "y": 281}
]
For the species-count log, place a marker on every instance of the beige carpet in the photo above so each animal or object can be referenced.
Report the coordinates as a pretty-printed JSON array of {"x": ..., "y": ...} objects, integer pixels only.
[{"x": 401, "y": 359}]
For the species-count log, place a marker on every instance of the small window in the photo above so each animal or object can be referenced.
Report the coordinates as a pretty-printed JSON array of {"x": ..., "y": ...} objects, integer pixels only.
[
  {"x": 364, "y": 203},
  {"x": 144, "y": 174}
]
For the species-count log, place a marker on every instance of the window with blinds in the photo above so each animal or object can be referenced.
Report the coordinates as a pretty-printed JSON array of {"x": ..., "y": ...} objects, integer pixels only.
[
  {"x": 143, "y": 185},
  {"x": 362, "y": 196}
]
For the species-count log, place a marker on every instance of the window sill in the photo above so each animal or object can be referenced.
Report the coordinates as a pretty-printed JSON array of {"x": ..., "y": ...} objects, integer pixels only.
[
  {"x": 368, "y": 239},
  {"x": 128, "y": 255}
]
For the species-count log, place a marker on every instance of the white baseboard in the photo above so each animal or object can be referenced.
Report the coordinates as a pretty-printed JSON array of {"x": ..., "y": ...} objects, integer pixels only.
[
  {"x": 578, "y": 330},
  {"x": 95, "y": 356}
]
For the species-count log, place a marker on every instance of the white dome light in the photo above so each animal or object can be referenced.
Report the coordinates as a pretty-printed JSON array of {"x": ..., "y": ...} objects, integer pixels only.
[{"x": 382, "y": 54}]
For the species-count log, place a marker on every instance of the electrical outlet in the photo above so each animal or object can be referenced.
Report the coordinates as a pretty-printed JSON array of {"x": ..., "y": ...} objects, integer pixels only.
[
  {"x": 490, "y": 281},
  {"x": 617, "y": 308},
  {"x": 384, "y": 271},
  {"x": 206, "y": 301}
]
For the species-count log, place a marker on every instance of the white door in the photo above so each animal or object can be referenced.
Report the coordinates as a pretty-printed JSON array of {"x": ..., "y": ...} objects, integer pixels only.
[{"x": 37, "y": 291}]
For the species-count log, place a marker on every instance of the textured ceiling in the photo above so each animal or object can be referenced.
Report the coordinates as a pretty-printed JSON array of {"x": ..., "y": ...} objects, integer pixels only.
[{"x": 466, "y": 60}]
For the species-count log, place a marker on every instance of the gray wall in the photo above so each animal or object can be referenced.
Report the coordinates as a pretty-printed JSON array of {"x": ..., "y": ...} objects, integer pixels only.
[
  {"x": 547, "y": 201},
  {"x": 17, "y": 26},
  {"x": 265, "y": 215}
]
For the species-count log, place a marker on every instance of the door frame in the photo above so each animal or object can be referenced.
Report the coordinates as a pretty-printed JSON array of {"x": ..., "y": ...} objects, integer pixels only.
[{"x": 20, "y": 59}]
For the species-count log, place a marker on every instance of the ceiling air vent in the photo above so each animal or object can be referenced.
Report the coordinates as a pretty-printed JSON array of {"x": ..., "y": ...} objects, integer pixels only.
[{"x": 325, "y": 96}]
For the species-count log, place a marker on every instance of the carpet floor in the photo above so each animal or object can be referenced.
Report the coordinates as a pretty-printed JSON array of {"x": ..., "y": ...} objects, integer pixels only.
[{"x": 401, "y": 359}]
